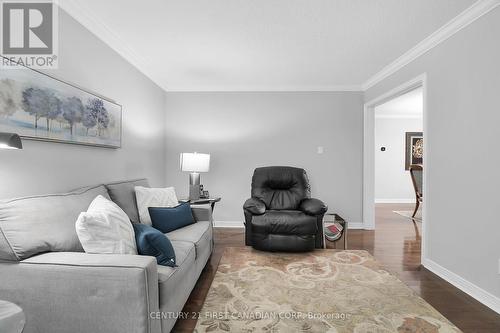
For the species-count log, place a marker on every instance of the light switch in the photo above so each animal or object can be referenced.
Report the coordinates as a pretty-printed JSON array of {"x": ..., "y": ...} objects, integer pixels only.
[{"x": 321, "y": 150}]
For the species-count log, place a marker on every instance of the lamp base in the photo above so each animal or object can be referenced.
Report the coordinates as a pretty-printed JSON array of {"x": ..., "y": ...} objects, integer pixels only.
[{"x": 194, "y": 186}]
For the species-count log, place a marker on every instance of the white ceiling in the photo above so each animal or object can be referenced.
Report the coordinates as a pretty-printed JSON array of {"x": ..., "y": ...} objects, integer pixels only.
[
  {"x": 409, "y": 105},
  {"x": 263, "y": 44}
]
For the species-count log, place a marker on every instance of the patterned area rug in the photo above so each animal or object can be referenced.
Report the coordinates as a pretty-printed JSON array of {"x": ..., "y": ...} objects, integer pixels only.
[{"x": 322, "y": 291}]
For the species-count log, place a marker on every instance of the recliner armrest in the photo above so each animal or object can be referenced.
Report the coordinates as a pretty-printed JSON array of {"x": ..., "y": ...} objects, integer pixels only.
[
  {"x": 313, "y": 207},
  {"x": 255, "y": 206}
]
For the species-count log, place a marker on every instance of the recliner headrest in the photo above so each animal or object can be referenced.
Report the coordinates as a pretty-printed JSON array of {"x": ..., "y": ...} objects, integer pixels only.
[{"x": 280, "y": 187}]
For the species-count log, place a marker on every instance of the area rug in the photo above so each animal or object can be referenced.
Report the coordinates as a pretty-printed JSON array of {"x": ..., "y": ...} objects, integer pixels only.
[
  {"x": 408, "y": 214},
  {"x": 330, "y": 291}
]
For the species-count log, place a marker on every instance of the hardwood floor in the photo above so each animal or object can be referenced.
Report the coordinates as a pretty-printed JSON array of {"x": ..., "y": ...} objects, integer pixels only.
[{"x": 396, "y": 244}]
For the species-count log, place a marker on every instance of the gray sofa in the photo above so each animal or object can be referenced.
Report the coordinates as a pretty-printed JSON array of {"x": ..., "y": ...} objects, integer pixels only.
[{"x": 44, "y": 270}]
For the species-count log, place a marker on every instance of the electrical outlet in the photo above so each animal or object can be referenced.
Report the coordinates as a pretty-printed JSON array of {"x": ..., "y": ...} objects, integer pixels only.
[{"x": 320, "y": 150}]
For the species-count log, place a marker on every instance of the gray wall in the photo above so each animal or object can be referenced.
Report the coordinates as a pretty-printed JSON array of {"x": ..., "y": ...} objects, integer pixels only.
[
  {"x": 85, "y": 60},
  {"x": 463, "y": 117},
  {"x": 243, "y": 131}
]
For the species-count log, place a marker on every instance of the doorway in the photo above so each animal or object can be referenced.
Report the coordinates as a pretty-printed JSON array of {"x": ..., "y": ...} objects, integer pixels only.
[
  {"x": 398, "y": 146},
  {"x": 381, "y": 149}
]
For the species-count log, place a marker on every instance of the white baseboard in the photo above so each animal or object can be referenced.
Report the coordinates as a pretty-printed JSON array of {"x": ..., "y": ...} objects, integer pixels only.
[
  {"x": 365, "y": 226},
  {"x": 239, "y": 224},
  {"x": 228, "y": 224},
  {"x": 467, "y": 287},
  {"x": 355, "y": 225},
  {"x": 395, "y": 200}
]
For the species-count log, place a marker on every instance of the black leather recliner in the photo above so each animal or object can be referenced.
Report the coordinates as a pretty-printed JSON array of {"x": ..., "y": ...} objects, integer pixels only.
[{"x": 280, "y": 215}]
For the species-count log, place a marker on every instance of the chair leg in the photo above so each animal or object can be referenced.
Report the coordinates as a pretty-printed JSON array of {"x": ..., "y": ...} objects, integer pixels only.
[{"x": 417, "y": 204}]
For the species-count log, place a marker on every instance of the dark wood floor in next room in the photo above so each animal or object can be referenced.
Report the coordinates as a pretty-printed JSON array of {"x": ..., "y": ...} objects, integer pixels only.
[{"x": 396, "y": 244}]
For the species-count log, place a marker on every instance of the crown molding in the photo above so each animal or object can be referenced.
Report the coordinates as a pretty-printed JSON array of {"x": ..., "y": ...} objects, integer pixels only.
[
  {"x": 85, "y": 17},
  {"x": 461, "y": 21},
  {"x": 263, "y": 88}
]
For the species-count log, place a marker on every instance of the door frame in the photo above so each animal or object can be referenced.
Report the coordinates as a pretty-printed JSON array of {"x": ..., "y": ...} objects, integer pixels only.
[{"x": 369, "y": 151}]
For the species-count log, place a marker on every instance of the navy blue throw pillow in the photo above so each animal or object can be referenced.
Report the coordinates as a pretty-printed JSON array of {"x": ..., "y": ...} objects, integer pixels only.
[
  {"x": 168, "y": 219},
  {"x": 151, "y": 242}
]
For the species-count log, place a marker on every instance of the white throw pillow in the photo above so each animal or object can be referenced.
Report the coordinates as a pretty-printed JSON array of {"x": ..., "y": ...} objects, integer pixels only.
[
  {"x": 105, "y": 228},
  {"x": 153, "y": 197}
]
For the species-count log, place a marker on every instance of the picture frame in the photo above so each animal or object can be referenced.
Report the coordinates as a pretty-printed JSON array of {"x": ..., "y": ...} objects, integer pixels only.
[
  {"x": 40, "y": 107},
  {"x": 414, "y": 149}
]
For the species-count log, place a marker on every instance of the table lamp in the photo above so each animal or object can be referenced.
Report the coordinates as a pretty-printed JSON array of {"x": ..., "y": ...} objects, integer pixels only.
[
  {"x": 10, "y": 141},
  {"x": 194, "y": 163}
]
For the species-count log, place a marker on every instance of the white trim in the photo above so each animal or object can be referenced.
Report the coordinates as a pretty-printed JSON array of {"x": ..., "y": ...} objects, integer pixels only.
[
  {"x": 369, "y": 152},
  {"x": 461, "y": 21},
  {"x": 262, "y": 88},
  {"x": 369, "y": 166},
  {"x": 395, "y": 116},
  {"x": 467, "y": 287},
  {"x": 356, "y": 225},
  {"x": 389, "y": 201},
  {"x": 228, "y": 224}
]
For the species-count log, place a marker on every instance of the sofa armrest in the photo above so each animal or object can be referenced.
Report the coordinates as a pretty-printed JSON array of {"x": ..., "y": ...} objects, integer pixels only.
[
  {"x": 79, "y": 292},
  {"x": 255, "y": 206},
  {"x": 313, "y": 207},
  {"x": 202, "y": 214}
]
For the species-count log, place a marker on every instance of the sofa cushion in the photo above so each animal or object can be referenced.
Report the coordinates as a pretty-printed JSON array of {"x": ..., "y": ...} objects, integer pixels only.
[
  {"x": 43, "y": 223},
  {"x": 105, "y": 228},
  {"x": 284, "y": 222},
  {"x": 185, "y": 255},
  {"x": 175, "y": 283},
  {"x": 151, "y": 242},
  {"x": 199, "y": 233},
  {"x": 123, "y": 194},
  {"x": 153, "y": 197}
]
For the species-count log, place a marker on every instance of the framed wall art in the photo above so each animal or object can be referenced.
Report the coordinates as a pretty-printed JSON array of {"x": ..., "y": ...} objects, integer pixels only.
[
  {"x": 414, "y": 149},
  {"x": 39, "y": 107}
]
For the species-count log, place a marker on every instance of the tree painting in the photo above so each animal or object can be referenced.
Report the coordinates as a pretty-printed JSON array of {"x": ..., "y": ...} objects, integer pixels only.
[
  {"x": 34, "y": 102},
  {"x": 97, "y": 114},
  {"x": 37, "y": 106},
  {"x": 10, "y": 97},
  {"x": 54, "y": 108},
  {"x": 72, "y": 111},
  {"x": 102, "y": 120},
  {"x": 41, "y": 103},
  {"x": 89, "y": 120}
]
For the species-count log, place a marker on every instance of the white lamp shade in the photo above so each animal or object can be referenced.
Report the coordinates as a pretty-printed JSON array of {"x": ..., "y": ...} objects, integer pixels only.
[{"x": 195, "y": 162}]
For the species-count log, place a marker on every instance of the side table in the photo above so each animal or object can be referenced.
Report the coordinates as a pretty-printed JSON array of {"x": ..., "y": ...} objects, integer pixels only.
[
  {"x": 335, "y": 218},
  {"x": 205, "y": 201},
  {"x": 12, "y": 318}
]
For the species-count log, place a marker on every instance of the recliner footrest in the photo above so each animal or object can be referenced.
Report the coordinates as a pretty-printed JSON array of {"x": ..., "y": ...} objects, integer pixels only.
[{"x": 283, "y": 243}]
